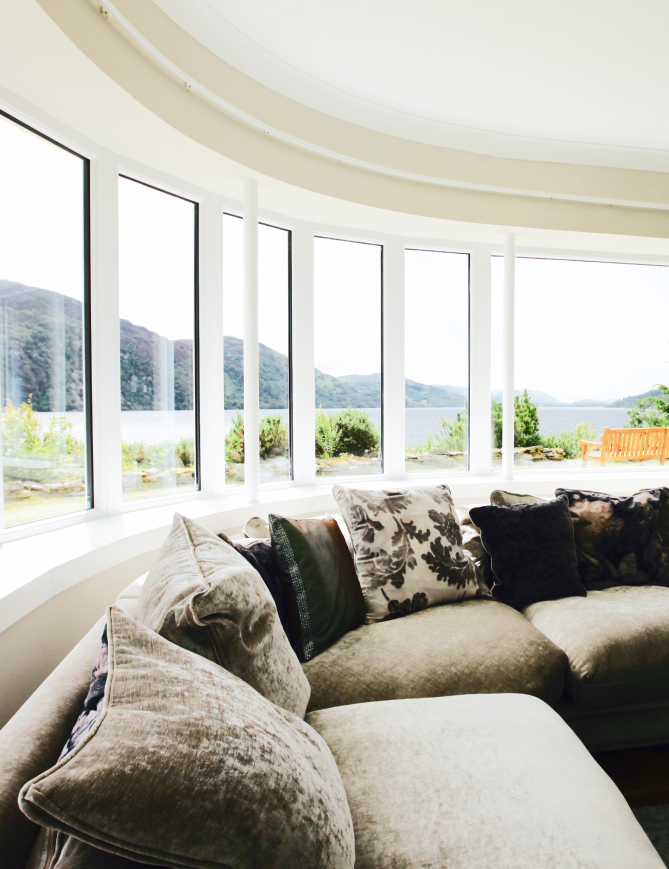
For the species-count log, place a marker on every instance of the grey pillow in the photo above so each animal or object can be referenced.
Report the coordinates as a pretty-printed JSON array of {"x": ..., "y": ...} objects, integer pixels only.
[
  {"x": 187, "y": 766},
  {"x": 500, "y": 498},
  {"x": 408, "y": 549},
  {"x": 203, "y": 595}
]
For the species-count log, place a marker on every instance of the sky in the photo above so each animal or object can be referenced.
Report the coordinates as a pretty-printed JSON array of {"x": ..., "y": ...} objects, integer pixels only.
[
  {"x": 41, "y": 219},
  {"x": 583, "y": 329}
]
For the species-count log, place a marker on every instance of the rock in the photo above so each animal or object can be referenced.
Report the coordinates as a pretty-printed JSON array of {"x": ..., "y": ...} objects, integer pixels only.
[
  {"x": 131, "y": 481},
  {"x": 166, "y": 479},
  {"x": 35, "y": 487},
  {"x": 185, "y": 477},
  {"x": 12, "y": 486}
]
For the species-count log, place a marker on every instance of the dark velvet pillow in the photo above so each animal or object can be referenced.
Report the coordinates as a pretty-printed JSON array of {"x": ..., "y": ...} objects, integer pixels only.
[
  {"x": 261, "y": 555},
  {"x": 617, "y": 538},
  {"x": 531, "y": 547},
  {"x": 320, "y": 582}
]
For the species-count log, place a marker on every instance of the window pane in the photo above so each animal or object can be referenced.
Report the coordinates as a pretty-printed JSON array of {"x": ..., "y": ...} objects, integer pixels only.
[
  {"x": 496, "y": 357},
  {"x": 347, "y": 349},
  {"x": 157, "y": 297},
  {"x": 591, "y": 341},
  {"x": 274, "y": 270},
  {"x": 436, "y": 360},
  {"x": 43, "y": 295}
]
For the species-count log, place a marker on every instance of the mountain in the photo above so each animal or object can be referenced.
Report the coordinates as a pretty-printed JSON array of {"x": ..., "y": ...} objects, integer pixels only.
[{"x": 631, "y": 400}]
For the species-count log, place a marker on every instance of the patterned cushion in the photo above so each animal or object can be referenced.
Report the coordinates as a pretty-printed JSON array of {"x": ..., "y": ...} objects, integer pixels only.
[
  {"x": 408, "y": 549},
  {"x": 203, "y": 595},
  {"x": 187, "y": 766},
  {"x": 617, "y": 539}
]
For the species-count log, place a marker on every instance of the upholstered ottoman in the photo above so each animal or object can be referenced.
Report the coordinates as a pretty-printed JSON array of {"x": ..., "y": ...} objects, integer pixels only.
[
  {"x": 617, "y": 643},
  {"x": 470, "y": 647},
  {"x": 477, "y": 782}
]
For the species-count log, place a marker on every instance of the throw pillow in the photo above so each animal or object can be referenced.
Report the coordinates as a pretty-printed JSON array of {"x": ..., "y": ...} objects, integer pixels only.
[
  {"x": 531, "y": 548},
  {"x": 261, "y": 556},
  {"x": 320, "y": 580},
  {"x": 500, "y": 498},
  {"x": 187, "y": 766},
  {"x": 203, "y": 595},
  {"x": 617, "y": 538},
  {"x": 408, "y": 549}
]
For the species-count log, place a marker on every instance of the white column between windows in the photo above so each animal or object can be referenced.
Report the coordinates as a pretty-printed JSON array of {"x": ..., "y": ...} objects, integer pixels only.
[
  {"x": 508, "y": 410},
  {"x": 480, "y": 425},
  {"x": 211, "y": 319},
  {"x": 251, "y": 359},
  {"x": 304, "y": 384},
  {"x": 393, "y": 360},
  {"x": 105, "y": 335}
]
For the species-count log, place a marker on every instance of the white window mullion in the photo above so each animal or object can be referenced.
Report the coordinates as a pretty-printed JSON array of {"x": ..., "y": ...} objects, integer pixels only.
[
  {"x": 393, "y": 360},
  {"x": 508, "y": 337},
  {"x": 304, "y": 384},
  {"x": 105, "y": 335},
  {"x": 480, "y": 426},
  {"x": 211, "y": 331},
  {"x": 251, "y": 358}
]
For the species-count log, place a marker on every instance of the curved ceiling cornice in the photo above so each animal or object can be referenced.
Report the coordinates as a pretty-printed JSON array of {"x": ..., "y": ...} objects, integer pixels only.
[
  {"x": 521, "y": 79},
  {"x": 277, "y": 136}
]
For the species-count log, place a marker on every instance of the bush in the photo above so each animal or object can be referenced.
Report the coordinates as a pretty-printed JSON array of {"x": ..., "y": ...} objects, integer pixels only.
[
  {"x": 526, "y": 429},
  {"x": 346, "y": 432},
  {"x": 272, "y": 439},
  {"x": 22, "y": 435},
  {"x": 568, "y": 440}
]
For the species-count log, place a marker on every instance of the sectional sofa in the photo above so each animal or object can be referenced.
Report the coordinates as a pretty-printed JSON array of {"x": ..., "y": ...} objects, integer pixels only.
[{"x": 448, "y": 729}]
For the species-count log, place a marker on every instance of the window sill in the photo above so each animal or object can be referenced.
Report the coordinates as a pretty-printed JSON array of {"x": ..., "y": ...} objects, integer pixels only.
[{"x": 35, "y": 569}]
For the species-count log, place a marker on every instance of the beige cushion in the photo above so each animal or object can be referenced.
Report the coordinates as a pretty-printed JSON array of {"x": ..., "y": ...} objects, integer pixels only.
[
  {"x": 189, "y": 766},
  {"x": 502, "y": 498},
  {"x": 496, "y": 782},
  {"x": 471, "y": 647},
  {"x": 617, "y": 642},
  {"x": 203, "y": 595}
]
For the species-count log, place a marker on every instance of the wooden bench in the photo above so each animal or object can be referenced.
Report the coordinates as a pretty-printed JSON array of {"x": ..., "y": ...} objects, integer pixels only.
[{"x": 628, "y": 445}]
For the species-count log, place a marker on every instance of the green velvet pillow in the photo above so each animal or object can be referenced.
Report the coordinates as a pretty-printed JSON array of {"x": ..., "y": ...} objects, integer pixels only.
[{"x": 321, "y": 585}]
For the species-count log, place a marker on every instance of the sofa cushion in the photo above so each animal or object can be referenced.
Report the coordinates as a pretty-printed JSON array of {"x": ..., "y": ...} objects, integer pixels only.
[
  {"x": 617, "y": 538},
  {"x": 617, "y": 642},
  {"x": 203, "y": 595},
  {"x": 531, "y": 548},
  {"x": 408, "y": 549},
  {"x": 471, "y": 647},
  {"x": 320, "y": 582},
  {"x": 502, "y": 498},
  {"x": 495, "y": 782},
  {"x": 187, "y": 766}
]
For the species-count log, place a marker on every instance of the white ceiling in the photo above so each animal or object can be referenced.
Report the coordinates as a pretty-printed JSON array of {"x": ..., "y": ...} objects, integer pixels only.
[{"x": 464, "y": 74}]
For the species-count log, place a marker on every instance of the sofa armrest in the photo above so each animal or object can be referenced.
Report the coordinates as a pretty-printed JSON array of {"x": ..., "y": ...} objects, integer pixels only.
[{"x": 31, "y": 741}]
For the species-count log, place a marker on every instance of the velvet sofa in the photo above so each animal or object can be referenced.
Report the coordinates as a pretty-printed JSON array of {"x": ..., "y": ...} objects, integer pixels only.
[{"x": 442, "y": 728}]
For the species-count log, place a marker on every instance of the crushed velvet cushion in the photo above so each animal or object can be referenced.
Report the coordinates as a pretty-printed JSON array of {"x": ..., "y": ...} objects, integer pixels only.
[
  {"x": 408, "y": 549},
  {"x": 470, "y": 647},
  {"x": 187, "y": 766},
  {"x": 501, "y": 498},
  {"x": 617, "y": 538},
  {"x": 203, "y": 595},
  {"x": 617, "y": 643},
  {"x": 319, "y": 577},
  {"x": 477, "y": 782},
  {"x": 531, "y": 549}
]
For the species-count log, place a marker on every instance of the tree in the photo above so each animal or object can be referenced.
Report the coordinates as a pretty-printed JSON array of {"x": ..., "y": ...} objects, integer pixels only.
[
  {"x": 651, "y": 412},
  {"x": 526, "y": 429}
]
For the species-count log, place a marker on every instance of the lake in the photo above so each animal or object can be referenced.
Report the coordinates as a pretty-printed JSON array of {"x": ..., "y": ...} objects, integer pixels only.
[{"x": 153, "y": 426}]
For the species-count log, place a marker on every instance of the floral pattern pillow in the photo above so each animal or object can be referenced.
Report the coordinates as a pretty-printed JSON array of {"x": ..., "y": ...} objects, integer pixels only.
[{"x": 408, "y": 549}]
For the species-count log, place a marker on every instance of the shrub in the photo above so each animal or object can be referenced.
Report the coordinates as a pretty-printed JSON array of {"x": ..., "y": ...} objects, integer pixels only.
[
  {"x": 272, "y": 439},
  {"x": 526, "y": 429},
  {"x": 357, "y": 434},
  {"x": 22, "y": 435},
  {"x": 568, "y": 440},
  {"x": 234, "y": 442},
  {"x": 345, "y": 432},
  {"x": 185, "y": 451}
]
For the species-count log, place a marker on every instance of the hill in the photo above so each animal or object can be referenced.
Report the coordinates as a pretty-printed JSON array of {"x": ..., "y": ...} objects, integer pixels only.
[{"x": 631, "y": 400}]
